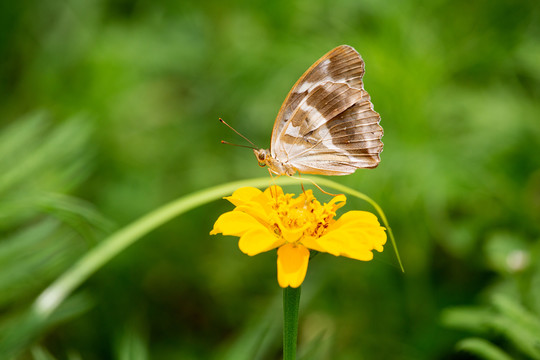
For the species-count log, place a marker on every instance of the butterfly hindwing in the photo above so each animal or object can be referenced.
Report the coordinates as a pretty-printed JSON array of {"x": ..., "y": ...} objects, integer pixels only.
[
  {"x": 341, "y": 145},
  {"x": 327, "y": 124}
]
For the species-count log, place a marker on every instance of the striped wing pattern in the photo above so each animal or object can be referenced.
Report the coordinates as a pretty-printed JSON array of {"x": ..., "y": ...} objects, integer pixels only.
[{"x": 327, "y": 124}]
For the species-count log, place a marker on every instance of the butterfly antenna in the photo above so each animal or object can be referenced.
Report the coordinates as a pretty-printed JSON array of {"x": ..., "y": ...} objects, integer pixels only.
[
  {"x": 244, "y": 146},
  {"x": 243, "y": 137}
]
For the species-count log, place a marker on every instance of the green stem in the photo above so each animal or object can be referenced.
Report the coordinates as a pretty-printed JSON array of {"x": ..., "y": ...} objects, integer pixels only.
[
  {"x": 49, "y": 300},
  {"x": 59, "y": 290},
  {"x": 291, "y": 302},
  {"x": 55, "y": 294}
]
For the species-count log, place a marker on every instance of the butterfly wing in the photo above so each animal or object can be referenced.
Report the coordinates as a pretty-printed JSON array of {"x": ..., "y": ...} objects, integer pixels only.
[{"x": 327, "y": 124}]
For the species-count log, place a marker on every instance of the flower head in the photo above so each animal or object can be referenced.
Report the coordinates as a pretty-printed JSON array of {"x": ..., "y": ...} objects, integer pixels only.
[{"x": 272, "y": 219}]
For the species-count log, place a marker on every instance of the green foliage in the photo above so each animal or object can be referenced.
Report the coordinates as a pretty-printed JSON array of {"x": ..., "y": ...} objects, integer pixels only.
[
  {"x": 109, "y": 110},
  {"x": 43, "y": 230},
  {"x": 132, "y": 344},
  {"x": 519, "y": 328},
  {"x": 483, "y": 349}
]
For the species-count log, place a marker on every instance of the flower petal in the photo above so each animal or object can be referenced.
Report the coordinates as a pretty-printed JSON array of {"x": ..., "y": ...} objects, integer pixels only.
[
  {"x": 243, "y": 195},
  {"x": 235, "y": 223},
  {"x": 293, "y": 234},
  {"x": 338, "y": 201},
  {"x": 311, "y": 243},
  {"x": 356, "y": 234},
  {"x": 257, "y": 241},
  {"x": 357, "y": 217},
  {"x": 292, "y": 265},
  {"x": 273, "y": 192},
  {"x": 259, "y": 206}
]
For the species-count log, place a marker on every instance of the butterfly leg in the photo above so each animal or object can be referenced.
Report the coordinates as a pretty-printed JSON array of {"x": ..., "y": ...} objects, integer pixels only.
[
  {"x": 324, "y": 192},
  {"x": 314, "y": 183},
  {"x": 301, "y": 184},
  {"x": 272, "y": 183}
]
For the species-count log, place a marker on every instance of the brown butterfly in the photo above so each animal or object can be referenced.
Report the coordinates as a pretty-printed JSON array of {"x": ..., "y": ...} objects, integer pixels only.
[{"x": 326, "y": 124}]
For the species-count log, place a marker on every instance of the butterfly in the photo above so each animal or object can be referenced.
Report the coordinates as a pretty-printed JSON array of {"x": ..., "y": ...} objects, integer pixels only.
[{"x": 326, "y": 124}]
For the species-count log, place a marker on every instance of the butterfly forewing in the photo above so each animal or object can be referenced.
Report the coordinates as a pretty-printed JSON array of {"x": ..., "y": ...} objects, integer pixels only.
[{"x": 327, "y": 124}]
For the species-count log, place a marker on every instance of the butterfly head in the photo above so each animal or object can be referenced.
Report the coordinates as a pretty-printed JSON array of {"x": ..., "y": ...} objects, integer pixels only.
[{"x": 264, "y": 157}]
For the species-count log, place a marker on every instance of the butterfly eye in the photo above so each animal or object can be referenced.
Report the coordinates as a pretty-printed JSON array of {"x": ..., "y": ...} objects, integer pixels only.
[{"x": 262, "y": 156}]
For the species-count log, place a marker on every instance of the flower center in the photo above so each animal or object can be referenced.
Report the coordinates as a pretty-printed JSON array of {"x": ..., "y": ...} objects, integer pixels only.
[{"x": 301, "y": 217}]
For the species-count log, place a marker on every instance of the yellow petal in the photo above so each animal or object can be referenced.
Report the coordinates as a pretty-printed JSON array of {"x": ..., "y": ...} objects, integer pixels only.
[
  {"x": 257, "y": 241},
  {"x": 273, "y": 192},
  {"x": 311, "y": 243},
  {"x": 356, "y": 234},
  {"x": 292, "y": 265},
  {"x": 338, "y": 201},
  {"x": 342, "y": 243},
  {"x": 235, "y": 223},
  {"x": 356, "y": 217},
  {"x": 293, "y": 234},
  {"x": 243, "y": 195},
  {"x": 304, "y": 198},
  {"x": 259, "y": 207}
]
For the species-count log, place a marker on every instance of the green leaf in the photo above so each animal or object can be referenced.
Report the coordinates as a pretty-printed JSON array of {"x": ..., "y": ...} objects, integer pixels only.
[
  {"x": 518, "y": 325},
  {"x": 483, "y": 349}
]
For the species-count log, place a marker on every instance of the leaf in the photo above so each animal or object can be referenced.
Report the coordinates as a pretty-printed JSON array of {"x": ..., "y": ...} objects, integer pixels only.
[{"x": 482, "y": 348}]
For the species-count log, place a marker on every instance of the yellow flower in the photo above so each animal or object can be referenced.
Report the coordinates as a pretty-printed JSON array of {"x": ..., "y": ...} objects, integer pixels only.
[{"x": 271, "y": 219}]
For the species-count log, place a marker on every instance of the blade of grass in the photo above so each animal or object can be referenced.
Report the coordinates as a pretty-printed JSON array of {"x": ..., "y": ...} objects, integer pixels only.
[{"x": 55, "y": 294}]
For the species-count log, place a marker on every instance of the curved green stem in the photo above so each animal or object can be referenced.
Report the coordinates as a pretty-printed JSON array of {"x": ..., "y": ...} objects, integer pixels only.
[
  {"x": 59, "y": 290},
  {"x": 107, "y": 249},
  {"x": 291, "y": 303}
]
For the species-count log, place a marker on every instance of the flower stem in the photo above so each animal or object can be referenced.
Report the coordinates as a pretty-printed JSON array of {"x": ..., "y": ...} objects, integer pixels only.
[{"x": 291, "y": 302}]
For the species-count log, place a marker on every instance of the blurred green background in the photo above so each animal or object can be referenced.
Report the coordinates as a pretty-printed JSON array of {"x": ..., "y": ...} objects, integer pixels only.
[{"x": 109, "y": 109}]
